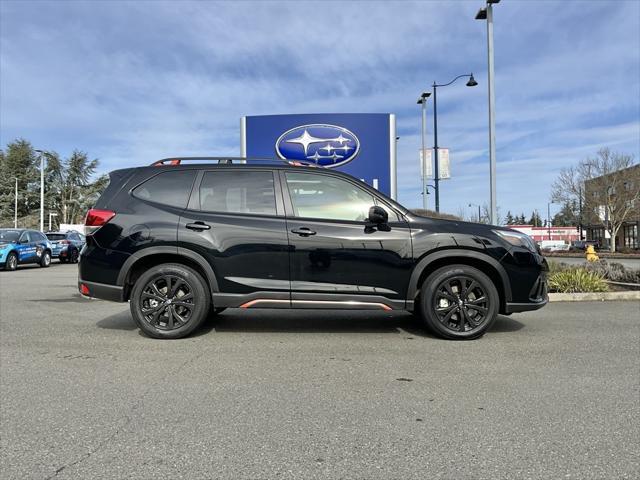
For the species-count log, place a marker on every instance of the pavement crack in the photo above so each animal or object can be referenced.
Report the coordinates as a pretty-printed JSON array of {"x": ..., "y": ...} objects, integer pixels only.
[{"x": 127, "y": 419}]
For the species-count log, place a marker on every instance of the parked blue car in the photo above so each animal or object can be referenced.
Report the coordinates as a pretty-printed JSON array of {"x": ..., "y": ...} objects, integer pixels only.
[
  {"x": 66, "y": 246},
  {"x": 19, "y": 246}
]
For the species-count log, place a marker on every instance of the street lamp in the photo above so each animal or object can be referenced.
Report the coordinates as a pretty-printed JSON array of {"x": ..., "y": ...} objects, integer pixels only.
[
  {"x": 549, "y": 220},
  {"x": 487, "y": 14},
  {"x": 51, "y": 214},
  {"x": 471, "y": 83},
  {"x": 423, "y": 101},
  {"x": 15, "y": 207},
  {"x": 476, "y": 205}
]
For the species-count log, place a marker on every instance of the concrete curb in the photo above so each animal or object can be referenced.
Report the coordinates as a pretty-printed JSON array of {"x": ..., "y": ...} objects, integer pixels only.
[{"x": 594, "y": 296}]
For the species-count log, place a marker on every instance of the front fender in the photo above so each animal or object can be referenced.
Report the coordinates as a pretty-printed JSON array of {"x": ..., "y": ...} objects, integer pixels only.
[{"x": 453, "y": 254}]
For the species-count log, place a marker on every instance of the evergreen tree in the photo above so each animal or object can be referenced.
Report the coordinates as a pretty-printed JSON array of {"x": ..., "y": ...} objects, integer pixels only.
[
  {"x": 20, "y": 161},
  {"x": 509, "y": 219}
]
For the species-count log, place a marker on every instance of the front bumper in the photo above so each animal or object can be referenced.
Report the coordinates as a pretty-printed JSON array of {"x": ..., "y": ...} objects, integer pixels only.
[
  {"x": 538, "y": 297},
  {"x": 525, "y": 307}
]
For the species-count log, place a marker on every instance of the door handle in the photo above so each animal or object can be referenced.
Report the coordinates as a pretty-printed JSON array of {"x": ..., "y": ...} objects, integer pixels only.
[
  {"x": 198, "y": 226},
  {"x": 303, "y": 231}
]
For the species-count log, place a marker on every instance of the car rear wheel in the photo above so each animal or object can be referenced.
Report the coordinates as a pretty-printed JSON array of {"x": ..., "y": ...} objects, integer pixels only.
[
  {"x": 459, "y": 302},
  {"x": 74, "y": 256},
  {"x": 45, "y": 260},
  {"x": 169, "y": 301},
  {"x": 12, "y": 261}
]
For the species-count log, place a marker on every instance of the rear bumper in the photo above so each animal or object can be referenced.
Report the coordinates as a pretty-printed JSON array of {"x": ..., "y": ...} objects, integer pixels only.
[{"x": 113, "y": 293}]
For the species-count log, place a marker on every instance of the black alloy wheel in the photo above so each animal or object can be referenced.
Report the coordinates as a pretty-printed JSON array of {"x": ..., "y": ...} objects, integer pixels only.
[
  {"x": 74, "y": 256},
  {"x": 169, "y": 301},
  {"x": 459, "y": 302}
]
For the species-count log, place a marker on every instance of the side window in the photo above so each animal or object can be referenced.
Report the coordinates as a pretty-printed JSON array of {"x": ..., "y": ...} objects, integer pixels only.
[
  {"x": 168, "y": 188},
  {"x": 327, "y": 197},
  {"x": 25, "y": 238},
  {"x": 236, "y": 191},
  {"x": 38, "y": 237}
]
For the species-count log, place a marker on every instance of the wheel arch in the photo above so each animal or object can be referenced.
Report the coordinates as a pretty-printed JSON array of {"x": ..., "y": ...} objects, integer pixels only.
[
  {"x": 483, "y": 262},
  {"x": 140, "y": 261}
]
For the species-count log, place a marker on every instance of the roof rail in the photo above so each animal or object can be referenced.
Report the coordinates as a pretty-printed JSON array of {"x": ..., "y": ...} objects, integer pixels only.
[{"x": 231, "y": 161}]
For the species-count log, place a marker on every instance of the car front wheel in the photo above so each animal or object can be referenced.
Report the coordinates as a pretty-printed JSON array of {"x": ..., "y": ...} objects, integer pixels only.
[
  {"x": 169, "y": 301},
  {"x": 12, "y": 261},
  {"x": 459, "y": 302}
]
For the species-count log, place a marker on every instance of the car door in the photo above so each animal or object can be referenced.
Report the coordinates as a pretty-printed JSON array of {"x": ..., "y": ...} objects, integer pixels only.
[
  {"x": 235, "y": 220},
  {"x": 26, "y": 248},
  {"x": 336, "y": 254}
]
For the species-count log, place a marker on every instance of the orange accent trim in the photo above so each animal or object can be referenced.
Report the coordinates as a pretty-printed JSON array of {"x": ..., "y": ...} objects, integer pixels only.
[{"x": 251, "y": 303}]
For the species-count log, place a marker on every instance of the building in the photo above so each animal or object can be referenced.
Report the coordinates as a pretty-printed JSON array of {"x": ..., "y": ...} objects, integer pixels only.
[
  {"x": 568, "y": 234},
  {"x": 619, "y": 191}
]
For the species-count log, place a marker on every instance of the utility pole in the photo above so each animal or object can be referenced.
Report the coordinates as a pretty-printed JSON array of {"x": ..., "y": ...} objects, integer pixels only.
[
  {"x": 15, "y": 207},
  {"x": 487, "y": 14},
  {"x": 423, "y": 157}
]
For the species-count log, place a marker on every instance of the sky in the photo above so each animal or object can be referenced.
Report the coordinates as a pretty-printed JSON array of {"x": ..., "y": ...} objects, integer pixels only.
[{"x": 130, "y": 82}]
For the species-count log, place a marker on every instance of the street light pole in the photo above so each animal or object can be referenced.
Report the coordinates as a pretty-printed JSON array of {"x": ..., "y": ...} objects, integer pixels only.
[
  {"x": 549, "y": 219},
  {"x": 436, "y": 163},
  {"x": 51, "y": 214},
  {"x": 423, "y": 101},
  {"x": 42, "y": 155},
  {"x": 487, "y": 14},
  {"x": 15, "y": 207},
  {"x": 436, "y": 176},
  {"x": 42, "y": 192},
  {"x": 475, "y": 205}
]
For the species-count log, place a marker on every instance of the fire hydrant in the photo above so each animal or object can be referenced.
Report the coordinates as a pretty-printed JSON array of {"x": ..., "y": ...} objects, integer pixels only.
[{"x": 590, "y": 253}]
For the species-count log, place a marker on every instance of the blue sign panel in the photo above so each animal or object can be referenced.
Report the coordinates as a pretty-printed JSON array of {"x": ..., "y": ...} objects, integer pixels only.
[{"x": 361, "y": 144}]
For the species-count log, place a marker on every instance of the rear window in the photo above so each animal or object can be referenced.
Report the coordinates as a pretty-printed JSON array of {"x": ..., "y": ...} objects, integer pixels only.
[
  {"x": 56, "y": 236},
  {"x": 238, "y": 192},
  {"x": 37, "y": 236},
  {"x": 168, "y": 188}
]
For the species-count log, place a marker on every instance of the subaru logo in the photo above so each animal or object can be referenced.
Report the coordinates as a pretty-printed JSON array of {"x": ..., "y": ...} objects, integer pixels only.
[{"x": 325, "y": 145}]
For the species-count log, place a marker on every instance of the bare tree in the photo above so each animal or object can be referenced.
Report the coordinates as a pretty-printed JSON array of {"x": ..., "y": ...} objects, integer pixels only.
[{"x": 604, "y": 187}]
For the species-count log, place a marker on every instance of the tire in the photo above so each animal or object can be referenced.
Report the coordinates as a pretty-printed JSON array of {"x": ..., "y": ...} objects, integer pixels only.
[
  {"x": 155, "y": 307},
  {"x": 458, "y": 302},
  {"x": 11, "y": 263},
  {"x": 74, "y": 256},
  {"x": 45, "y": 261},
  {"x": 62, "y": 260}
]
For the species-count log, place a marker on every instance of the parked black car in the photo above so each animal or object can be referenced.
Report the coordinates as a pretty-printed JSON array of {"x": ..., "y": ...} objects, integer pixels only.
[
  {"x": 66, "y": 246},
  {"x": 180, "y": 239}
]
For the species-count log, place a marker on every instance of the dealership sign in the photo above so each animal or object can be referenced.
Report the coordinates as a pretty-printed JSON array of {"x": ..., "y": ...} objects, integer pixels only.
[
  {"x": 363, "y": 145},
  {"x": 326, "y": 145}
]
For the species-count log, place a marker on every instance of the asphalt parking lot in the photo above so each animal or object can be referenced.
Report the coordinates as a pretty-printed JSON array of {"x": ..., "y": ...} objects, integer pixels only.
[{"x": 271, "y": 394}]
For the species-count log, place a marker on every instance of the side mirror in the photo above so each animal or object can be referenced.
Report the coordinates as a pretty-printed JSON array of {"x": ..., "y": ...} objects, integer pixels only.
[{"x": 378, "y": 215}]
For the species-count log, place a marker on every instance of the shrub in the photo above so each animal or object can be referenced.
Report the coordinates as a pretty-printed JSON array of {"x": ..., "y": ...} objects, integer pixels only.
[
  {"x": 577, "y": 280},
  {"x": 555, "y": 267},
  {"x": 616, "y": 272}
]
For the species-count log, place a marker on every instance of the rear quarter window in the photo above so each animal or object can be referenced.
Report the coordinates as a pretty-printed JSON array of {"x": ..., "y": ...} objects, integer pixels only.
[{"x": 167, "y": 188}]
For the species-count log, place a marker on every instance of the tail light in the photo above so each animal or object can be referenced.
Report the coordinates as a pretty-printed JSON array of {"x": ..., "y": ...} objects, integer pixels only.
[{"x": 96, "y": 218}]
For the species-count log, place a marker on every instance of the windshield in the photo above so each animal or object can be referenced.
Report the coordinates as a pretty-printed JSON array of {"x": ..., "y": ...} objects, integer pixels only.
[
  {"x": 56, "y": 236},
  {"x": 9, "y": 236}
]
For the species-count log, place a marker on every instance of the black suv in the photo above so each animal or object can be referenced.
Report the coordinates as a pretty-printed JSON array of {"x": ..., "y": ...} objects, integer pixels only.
[{"x": 182, "y": 239}]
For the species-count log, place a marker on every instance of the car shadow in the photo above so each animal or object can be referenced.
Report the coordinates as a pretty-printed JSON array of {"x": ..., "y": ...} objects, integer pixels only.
[{"x": 308, "y": 321}]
